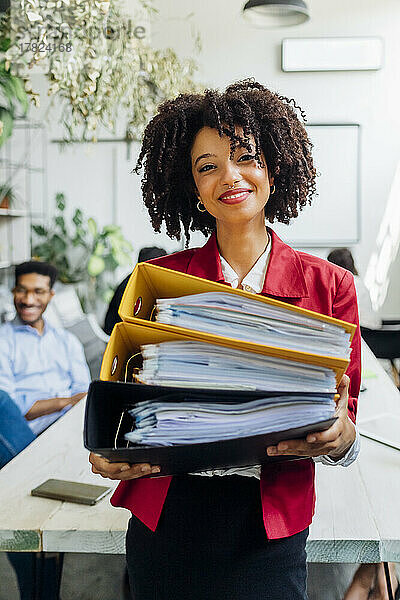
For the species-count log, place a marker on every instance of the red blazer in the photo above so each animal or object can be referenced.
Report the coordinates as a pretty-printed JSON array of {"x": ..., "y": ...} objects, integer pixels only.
[{"x": 287, "y": 488}]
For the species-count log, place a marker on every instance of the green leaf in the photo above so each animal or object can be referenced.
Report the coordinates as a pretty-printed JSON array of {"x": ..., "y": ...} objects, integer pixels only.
[
  {"x": 59, "y": 244},
  {"x": 77, "y": 218},
  {"x": 41, "y": 251},
  {"x": 92, "y": 226},
  {"x": 110, "y": 262},
  {"x": 13, "y": 89},
  {"x": 95, "y": 266},
  {"x": 99, "y": 249},
  {"x": 60, "y": 222},
  {"x": 8, "y": 91},
  {"x": 80, "y": 237},
  {"x": 40, "y": 230},
  {"x": 4, "y": 44},
  {"x": 7, "y": 120},
  {"x": 60, "y": 201},
  {"x": 111, "y": 229},
  {"x": 121, "y": 258},
  {"x": 108, "y": 295},
  {"x": 19, "y": 92}
]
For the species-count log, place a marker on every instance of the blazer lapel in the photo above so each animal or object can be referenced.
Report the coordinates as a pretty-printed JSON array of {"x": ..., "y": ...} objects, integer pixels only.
[
  {"x": 285, "y": 276},
  {"x": 206, "y": 262}
]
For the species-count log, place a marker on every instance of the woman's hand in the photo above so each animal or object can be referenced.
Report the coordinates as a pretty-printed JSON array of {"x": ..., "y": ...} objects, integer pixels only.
[
  {"x": 122, "y": 471},
  {"x": 333, "y": 442}
]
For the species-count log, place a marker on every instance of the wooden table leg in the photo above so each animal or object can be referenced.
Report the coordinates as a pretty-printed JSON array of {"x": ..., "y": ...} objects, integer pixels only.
[
  {"x": 60, "y": 563},
  {"x": 39, "y": 575},
  {"x": 38, "y": 568}
]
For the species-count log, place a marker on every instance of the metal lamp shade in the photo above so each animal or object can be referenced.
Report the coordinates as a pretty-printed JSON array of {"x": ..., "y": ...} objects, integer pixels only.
[{"x": 275, "y": 13}]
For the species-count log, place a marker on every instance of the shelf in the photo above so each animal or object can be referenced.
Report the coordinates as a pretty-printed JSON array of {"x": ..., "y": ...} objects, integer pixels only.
[
  {"x": 17, "y": 165},
  {"x": 24, "y": 123},
  {"x": 13, "y": 212},
  {"x": 23, "y": 161}
]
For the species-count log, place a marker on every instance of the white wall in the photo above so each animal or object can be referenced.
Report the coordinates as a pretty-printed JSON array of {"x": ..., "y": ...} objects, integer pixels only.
[{"x": 233, "y": 50}]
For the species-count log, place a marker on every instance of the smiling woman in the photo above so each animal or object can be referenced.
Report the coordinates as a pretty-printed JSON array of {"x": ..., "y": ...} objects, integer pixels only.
[{"x": 221, "y": 163}]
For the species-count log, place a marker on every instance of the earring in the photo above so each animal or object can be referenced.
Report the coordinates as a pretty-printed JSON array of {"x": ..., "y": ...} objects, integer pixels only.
[
  {"x": 199, "y": 204},
  {"x": 272, "y": 189}
]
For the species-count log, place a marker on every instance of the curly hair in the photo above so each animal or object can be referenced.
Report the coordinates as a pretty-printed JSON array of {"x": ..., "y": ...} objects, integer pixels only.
[{"x": 165, "y": 156}]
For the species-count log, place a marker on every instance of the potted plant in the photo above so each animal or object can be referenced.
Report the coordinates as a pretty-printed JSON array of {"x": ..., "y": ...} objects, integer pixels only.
[{"x": 7, "y": 196}]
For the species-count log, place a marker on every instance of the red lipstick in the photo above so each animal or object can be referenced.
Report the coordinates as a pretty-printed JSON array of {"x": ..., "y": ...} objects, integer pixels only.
[{"x": 234, "y": 196}]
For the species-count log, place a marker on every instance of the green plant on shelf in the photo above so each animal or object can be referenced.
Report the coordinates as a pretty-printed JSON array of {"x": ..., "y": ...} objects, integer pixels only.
[
  {"x": 84, "y": 254},
  {"x": 7, "y": 196}
]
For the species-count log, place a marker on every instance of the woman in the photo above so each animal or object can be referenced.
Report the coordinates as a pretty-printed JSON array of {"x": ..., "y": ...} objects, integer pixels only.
[{"x": 221, "y": 163}]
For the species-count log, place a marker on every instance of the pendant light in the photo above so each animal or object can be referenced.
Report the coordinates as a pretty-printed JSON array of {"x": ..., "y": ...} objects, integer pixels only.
[{"x": 275, "y": 13}]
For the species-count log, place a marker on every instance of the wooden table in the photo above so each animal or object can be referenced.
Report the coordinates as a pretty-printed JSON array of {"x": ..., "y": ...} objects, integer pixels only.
[{"x": 357, "y": 517}]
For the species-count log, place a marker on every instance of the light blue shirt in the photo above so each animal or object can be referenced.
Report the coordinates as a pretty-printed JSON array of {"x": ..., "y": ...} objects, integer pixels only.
[{"x": 36, "y": 367}]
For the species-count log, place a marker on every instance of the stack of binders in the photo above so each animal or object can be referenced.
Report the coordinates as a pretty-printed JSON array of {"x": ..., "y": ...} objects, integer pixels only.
[{"x": 201, "y": 376}]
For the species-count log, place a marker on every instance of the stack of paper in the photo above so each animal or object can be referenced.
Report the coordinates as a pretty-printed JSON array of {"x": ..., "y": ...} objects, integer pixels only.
[
  {"x": 251, "y": 320},
  {"x": 180, "y": 423},
  {"x": 203, "y": 365}
]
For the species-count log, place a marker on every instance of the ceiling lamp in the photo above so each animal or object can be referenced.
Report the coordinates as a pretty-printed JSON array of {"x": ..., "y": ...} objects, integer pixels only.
[{"x": 275, "y": 13}]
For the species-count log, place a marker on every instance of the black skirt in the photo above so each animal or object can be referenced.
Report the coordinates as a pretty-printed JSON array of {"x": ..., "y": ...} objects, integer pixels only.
[{"x": 210, "y": 544}]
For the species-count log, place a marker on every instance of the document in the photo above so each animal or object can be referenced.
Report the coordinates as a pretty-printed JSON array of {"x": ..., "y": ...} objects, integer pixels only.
[
  {"x": 163, "y": 423},
  {"x": 254, "y": 321},
  {"x": 203, "y": 365}
]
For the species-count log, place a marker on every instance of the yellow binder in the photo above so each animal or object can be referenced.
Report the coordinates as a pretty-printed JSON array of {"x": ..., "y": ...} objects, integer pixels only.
[
  {"x": 125, "y": 342},
  {"x": 127, "y": 338},
  {"x": 149, "y": 282}
]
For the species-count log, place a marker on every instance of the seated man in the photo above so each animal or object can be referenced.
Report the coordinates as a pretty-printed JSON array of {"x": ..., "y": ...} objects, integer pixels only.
[{"x": 43, "y": 371}]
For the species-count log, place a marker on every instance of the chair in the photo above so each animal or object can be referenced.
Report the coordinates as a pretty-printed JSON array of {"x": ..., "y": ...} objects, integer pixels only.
[
  {"x": 93, "y": 345},
  {"x": 65, "y": 311}
]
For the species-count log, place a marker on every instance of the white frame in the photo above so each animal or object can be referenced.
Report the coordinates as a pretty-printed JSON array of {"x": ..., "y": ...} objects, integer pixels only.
[{"x": 318, "y": 227}]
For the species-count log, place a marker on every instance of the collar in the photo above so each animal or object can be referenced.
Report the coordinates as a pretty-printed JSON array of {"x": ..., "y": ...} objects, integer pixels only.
[
  {"x": 18, "y": 324},
  {"x": 284, "y": 277},
  {"x": 254, "y": 278}
]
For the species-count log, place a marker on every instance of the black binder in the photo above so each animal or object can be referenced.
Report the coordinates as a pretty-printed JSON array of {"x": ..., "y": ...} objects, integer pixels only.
[{"x": 107, "y": 420}]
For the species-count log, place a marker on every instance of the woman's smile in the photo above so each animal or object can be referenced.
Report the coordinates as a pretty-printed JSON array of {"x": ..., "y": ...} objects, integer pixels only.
[{"x": 235, "y": 196}]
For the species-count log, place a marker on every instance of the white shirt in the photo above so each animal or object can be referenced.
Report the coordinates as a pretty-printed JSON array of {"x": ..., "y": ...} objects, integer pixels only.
[{"x": 253, "y": 282}]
